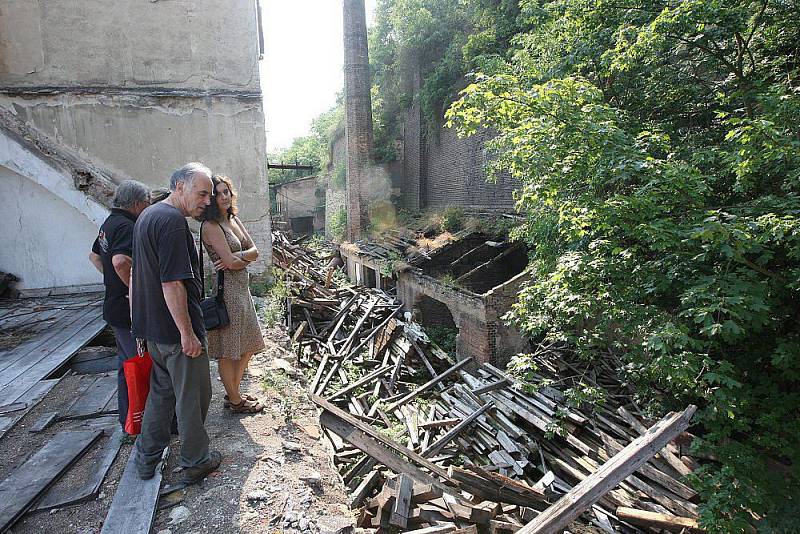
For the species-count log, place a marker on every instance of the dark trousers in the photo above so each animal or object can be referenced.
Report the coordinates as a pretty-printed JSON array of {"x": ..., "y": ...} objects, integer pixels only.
[
  {"x": 178, "y": 385},
  {"x": 126, "y": 348}
]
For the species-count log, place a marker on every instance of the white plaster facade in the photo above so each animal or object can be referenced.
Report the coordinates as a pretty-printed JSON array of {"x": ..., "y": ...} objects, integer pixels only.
[{"x": 48, "y": 226}]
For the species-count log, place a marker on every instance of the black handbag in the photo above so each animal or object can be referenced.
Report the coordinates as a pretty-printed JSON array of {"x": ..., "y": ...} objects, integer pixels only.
[{"x": 215, "y": 314}]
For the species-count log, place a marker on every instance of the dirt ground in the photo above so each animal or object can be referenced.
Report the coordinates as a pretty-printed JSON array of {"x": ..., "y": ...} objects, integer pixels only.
[{"x": 276, "y": 473}]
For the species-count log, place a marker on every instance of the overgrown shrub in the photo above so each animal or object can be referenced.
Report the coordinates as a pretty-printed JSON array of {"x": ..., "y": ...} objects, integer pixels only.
[
  {"x": 453, "y": 219},
  {"x": 336, "y": 224}
]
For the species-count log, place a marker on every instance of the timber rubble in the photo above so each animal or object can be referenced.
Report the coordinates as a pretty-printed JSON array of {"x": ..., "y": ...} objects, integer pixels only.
[{"x": 428, "y": 444}]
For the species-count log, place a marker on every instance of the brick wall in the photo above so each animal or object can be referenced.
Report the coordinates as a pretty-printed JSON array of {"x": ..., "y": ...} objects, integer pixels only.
[{"x": 455, "y": 174}]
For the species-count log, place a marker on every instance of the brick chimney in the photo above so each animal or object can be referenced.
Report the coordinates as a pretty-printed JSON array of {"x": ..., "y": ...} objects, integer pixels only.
[{"x": 358, "y": 115}]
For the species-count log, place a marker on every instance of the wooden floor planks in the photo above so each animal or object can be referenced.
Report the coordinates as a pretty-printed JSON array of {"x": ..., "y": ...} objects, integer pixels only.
[
  {"x": 90, "y": 489},
  {"x": 31, "y": 397},
  {"x": 23, "y": 373},
  {"x": 96, "y": 397},
  {"x": 30, "y": 480}
]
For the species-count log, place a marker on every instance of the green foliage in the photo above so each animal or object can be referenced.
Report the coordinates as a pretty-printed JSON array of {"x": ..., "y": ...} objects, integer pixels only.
[
  {"x": 658, "y": 150},
  {"x": 443, "y": 39},
  {"x": 387, "y": 265},
  {"x": 279, "y": 383},
  {"x": 312, "y": 149},
  {"x": 444, "y": 337},
  {"x": 336, "y": 224},
  {"x": 453, "y": 219}
]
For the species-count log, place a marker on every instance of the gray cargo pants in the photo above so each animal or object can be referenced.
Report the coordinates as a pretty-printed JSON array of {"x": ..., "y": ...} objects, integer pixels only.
[{"x": 178, "y": 384}]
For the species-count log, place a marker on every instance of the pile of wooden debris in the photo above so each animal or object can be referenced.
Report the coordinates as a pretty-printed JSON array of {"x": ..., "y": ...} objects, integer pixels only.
[{"x": 428, "y": 444}]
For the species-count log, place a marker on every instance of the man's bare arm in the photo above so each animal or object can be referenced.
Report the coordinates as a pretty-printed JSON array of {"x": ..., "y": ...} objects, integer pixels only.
[
  {"x": 96, "y": 261},
  {"x": 175, "y": 297},
  {"x": 122, "y": 266}
]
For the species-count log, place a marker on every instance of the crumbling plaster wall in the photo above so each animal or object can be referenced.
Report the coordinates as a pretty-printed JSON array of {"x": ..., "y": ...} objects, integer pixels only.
[
  {"x": 48, "y": 225},
  {"x": 141, "y": 87}
]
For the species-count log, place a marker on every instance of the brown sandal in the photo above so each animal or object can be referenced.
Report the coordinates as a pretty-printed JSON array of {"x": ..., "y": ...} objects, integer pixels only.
[
  {"x": 246, "y": 406},
  {"x": 227, "y": 402}
]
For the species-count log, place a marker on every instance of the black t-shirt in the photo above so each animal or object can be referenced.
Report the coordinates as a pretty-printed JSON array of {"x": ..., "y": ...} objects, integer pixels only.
[
  {"x": 163, "y": 251},
  {"x": 115, "y": 237}
]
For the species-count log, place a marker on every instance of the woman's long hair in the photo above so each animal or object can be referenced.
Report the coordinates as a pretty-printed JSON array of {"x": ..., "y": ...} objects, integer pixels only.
[{"x": 212, "y": 211}]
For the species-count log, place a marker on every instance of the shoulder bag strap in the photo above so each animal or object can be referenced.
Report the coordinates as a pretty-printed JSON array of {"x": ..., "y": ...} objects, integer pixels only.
[
  {"x": 221, "y": 274},
  {"x": 202, "y": 273}
]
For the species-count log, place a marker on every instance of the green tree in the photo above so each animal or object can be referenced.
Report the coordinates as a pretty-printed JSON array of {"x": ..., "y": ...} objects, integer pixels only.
[{"x": 658, "y": 150}]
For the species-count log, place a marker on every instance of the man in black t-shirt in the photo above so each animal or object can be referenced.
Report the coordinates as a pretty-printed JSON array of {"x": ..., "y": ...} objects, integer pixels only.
[
  {"x": 111, "y": 254},
  {"x": 165, "y": 306}
]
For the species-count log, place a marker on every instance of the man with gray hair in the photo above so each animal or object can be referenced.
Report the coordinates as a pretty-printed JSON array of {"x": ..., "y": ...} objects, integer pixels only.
[
  {"x": 165, "y": 305},
  {"x": 111, "y": 254}
]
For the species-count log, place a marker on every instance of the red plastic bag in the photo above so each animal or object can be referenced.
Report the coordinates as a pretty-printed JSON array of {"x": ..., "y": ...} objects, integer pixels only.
[{"x": 137, "y": 377}]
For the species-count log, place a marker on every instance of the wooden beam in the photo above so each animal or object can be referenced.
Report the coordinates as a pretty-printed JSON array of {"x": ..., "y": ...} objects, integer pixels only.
[
  {"x": 453, "y": 432},
  {"x": 362, "y": 381},
  {"x": 610, "y": 474},
  {"x": 669, "y": 522},
  {"x": 402, "y": 501},
  {"x": 426, "y": 386},
  {"x": 89, "y": 490},
  {"x": 373, "y": 448},
  {"x": 377, "y": 436}
]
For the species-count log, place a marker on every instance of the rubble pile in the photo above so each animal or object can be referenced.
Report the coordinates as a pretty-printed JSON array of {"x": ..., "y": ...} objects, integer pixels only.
[{"x": 426, "y": 443}]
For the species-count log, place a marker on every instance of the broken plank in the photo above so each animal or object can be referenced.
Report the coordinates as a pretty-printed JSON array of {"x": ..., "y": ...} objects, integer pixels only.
[
  {"x": 44, "y": 421},
  {"x": 665, "y": 454},
  {"x": 428, "y": 385},
  {"x": 442, "y": 528},
  {"x": 595, "y": 486},
  {"x": 32, "y": 397},
  {"x": 30, "y": 480},
  {"x": 371, "y": 432},
  {"x": 453, "y": 432},
  {"x": 362, "y": 381},
  {"x": 402, "y": 501},
  {"x": 13, "y": 407},
  {"x": 93, "y": 401},
  {"x": 91, "y": 488},
  {"x": 134, "y": 506},
  {"x": 669, "y": 522},
  {"x": 368, "y": 484},
  {"x": 371, "y": 446}
]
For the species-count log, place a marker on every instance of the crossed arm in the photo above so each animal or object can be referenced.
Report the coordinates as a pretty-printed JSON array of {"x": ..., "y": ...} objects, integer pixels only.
[{"x": 214, "y": 237}]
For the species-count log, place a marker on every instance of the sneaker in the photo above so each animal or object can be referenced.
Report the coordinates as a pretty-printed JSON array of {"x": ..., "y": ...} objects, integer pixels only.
[{"x": 193, "y": 475}]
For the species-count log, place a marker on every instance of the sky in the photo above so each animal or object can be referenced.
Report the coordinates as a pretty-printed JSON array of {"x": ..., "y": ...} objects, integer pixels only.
[{"x": 302, "y": 69}]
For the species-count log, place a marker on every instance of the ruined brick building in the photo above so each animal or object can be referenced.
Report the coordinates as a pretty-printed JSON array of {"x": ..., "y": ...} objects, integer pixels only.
[{"x": 95, "y": 92}]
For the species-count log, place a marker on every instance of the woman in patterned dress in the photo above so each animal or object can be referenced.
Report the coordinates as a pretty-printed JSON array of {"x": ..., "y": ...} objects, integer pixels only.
[{"x": 231, "y": 249}]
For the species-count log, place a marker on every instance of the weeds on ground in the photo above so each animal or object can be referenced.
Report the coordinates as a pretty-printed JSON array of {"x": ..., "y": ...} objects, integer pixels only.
[
  {"x": 275, "y": 292},
  {"x": 279, "y": 383},
  {"x": 452, "y": 219}
]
